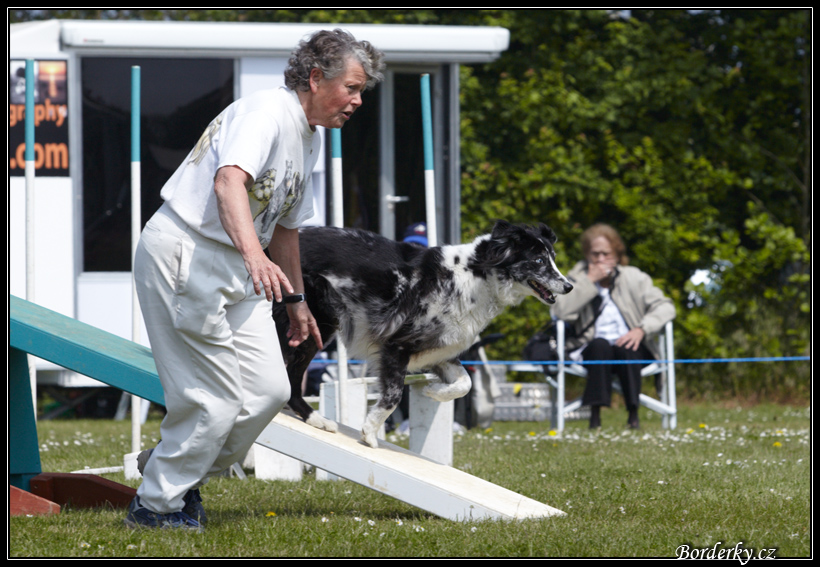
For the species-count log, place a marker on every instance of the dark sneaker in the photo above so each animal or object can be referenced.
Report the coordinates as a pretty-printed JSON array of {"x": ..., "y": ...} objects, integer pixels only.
[
  {"x": 193, "y": 500},
  {"x": 140, "y": 517},
  {"x": 193, "y": 506}
]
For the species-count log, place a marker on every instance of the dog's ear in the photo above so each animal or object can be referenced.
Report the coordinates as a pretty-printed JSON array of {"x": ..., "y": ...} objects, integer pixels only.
[
  {"x": 502, "y": 230},
  {"x": 495, "y": 250},
  {"x": 548, "y": 233},
  {"x": 507, "y": 232}
]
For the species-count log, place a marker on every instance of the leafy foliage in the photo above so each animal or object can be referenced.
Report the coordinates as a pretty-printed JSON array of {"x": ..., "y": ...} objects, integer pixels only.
[{"x": 684, "y": 130}]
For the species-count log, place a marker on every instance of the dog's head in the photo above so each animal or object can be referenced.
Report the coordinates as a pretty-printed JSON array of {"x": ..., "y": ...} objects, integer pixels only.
[{"x": 525, "y": 256}]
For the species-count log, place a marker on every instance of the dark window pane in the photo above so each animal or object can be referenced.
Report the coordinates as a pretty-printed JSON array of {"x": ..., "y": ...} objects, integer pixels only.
[
  {"x": 409, "y": 138},
  {"x": 360, "y": 156},
  {"x": 179, "y": 97}
]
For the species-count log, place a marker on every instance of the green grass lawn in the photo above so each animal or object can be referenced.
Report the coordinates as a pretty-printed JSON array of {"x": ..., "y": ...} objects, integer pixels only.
[{"x": 727, "y": 478}]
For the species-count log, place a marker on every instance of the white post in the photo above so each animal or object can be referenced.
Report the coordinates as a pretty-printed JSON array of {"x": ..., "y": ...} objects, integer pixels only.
[
  {"x": 431, "y": 425},
  {"x": 339, "y": 221},
  {"x": 429, "y": 169},
  {"x": 136, "y": 225},
  {"x": 355, "y": 404},
  {"x": 561, "y": 392},
  {"x": 670, "y": 398},
  {"x": 30, "y": 209}
]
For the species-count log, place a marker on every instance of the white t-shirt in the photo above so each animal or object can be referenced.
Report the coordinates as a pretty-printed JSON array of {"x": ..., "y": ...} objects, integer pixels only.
[
  {"x": 610, "y": 324},
  {"x": 266, "y": 135}
]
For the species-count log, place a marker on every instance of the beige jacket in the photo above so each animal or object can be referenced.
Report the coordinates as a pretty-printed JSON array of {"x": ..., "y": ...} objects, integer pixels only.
[{"x": 640, "y": 302}]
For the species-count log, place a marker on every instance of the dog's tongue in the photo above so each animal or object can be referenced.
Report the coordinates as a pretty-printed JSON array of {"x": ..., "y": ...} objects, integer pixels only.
[{"x": 543, "y": 292}]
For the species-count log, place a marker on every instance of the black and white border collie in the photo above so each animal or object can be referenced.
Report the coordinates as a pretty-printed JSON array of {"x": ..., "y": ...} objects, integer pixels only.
[{"x": 405, "y": 309}]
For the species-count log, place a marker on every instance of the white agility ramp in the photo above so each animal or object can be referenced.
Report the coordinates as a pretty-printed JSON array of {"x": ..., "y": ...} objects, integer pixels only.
[{"x": 397, "y": 472}]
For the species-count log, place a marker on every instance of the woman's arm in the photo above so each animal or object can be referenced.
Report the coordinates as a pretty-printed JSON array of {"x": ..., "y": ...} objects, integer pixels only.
[
  {"x": 230, "y": 186},
  {"x": 284, "y": 251}
]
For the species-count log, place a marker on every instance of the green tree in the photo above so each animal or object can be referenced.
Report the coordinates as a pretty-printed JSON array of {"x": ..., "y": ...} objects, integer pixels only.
[{"x": 651, "y": 123}]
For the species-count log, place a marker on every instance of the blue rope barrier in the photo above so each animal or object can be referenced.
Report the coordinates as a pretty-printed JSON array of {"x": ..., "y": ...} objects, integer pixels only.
[
  {"x": 675, "y": 361},
  {"x": 593, "y": 362}
]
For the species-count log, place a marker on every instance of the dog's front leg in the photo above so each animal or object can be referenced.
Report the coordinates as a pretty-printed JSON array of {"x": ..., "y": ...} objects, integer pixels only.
[
  {"x": 455, "y": 382},
  {"x": 392, "y": 370}
]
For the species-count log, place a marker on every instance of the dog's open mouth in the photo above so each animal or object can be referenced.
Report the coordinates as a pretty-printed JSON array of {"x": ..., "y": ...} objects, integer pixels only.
[{"x": 542, "y": 292}]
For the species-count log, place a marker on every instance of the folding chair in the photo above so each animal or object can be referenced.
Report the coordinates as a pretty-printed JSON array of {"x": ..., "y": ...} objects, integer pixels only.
[{"x": 665, "y": 405}]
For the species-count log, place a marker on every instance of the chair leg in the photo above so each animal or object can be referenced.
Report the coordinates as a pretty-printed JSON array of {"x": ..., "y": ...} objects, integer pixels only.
[{"x": 553, "y": 400}]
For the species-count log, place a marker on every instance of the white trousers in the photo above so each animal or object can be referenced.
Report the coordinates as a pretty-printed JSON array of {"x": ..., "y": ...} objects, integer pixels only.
[{"x": 217, "y": 356}]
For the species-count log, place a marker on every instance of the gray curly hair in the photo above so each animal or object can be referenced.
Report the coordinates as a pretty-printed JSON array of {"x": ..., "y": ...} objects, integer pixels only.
[{"x": 329, "y": 52}]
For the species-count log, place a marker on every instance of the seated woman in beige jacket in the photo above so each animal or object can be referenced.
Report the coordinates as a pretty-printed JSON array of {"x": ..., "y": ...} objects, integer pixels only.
[{"x": 613, "y": 308}]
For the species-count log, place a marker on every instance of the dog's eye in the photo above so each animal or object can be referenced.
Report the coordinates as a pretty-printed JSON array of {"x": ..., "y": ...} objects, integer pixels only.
[{"x": 539, "y": 260}]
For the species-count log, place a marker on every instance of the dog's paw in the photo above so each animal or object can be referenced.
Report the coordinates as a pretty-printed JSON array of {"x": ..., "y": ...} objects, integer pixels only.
[
  {"x": 444, "y": 392},
  {"x": 436, "y": 392},
  {"x": 369, "y": 438},
  {"x": 320, "y": 422}
]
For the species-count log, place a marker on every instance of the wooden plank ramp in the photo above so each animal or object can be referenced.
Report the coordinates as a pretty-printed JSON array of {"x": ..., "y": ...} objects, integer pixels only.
[
  {"x": 85, "y": 349},
  {"x": 392, "y": 470}
]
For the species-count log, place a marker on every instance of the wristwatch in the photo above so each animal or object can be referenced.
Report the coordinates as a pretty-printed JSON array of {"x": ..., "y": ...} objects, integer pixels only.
[{"x": 295, "y": 298}]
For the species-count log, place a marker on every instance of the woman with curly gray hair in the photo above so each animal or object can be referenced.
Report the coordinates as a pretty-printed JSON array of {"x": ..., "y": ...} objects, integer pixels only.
[
  {"x": 205, "y": 282},
  {"x": 330, "y": 52},
  {"x": 329, "y": 72}
]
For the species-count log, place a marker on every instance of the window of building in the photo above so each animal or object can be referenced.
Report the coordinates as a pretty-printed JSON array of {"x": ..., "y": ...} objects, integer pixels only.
[{"x": 179, "y": 97}]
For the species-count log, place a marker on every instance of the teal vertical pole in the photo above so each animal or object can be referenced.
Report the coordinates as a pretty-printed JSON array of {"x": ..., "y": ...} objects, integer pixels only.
[
  {"x": 135, "y": 113},
  {"x": 136, "y": 200},
  {"x": 29, "y": 110},
  {"x": 339, "y": 220},
  {"x": 336, "y": 143},
  {"x": 429, "y": 173},
  {"x": 136, "y": 227},
  {"x": 427, "y": 122},
  {"x": 31, "y": 208},
  {"x": 29, "y": 172},
  {"x": 336, "y": 176}
]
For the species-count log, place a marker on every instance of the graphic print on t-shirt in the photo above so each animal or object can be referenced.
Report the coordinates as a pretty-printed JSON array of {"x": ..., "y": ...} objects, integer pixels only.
[
  {"x": 269, "y": 201},
  {"x": 277, "y": 192},
  {"x": 204, "y": 143}
]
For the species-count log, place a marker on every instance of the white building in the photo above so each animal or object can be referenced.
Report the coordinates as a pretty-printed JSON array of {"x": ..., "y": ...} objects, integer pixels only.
[{"x": 189, "y": 72}]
